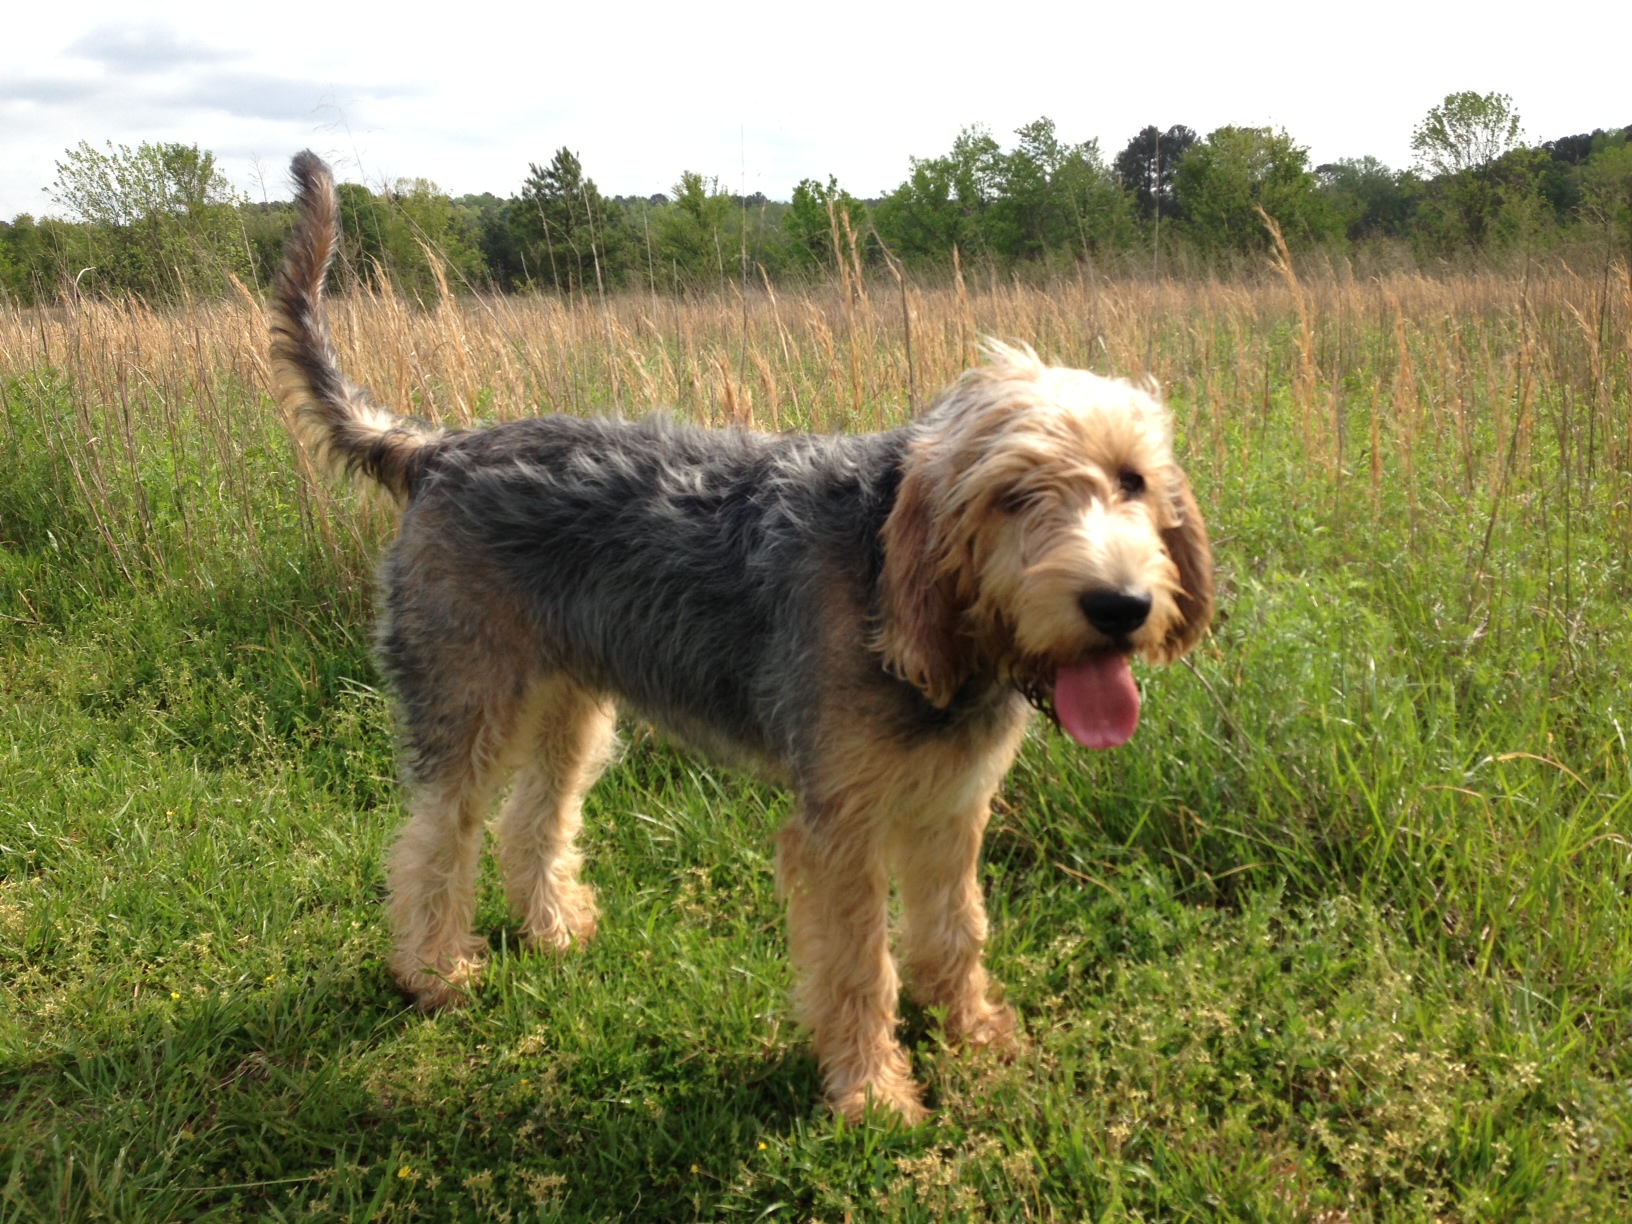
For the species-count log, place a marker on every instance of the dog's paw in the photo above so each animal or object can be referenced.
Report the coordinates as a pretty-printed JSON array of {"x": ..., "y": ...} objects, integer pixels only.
[
  {"x": 991, "y": 1026},
  {"x": 434, "y": 989},
  {"x": 881, "y": 1085},
  {"x": 569, "y": 919},
  {"x": 898, "y": 1100}
]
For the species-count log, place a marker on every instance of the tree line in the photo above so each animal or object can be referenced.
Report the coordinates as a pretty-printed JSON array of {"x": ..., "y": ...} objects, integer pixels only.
[{"x": 163, "y": 222}]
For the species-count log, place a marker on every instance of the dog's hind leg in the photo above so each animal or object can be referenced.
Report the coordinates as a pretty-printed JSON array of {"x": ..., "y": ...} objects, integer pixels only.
[
  {"x": 459, "y": 719},
  {"x": 432, "y": 877},
  {"x": 562, "y": 747}
]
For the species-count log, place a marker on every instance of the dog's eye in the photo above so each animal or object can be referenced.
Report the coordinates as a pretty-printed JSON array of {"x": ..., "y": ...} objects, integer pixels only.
[{"x": 1133, "y": 484}]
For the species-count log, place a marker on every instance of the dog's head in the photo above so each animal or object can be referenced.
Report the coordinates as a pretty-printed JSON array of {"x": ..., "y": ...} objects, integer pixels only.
[{"x": 1043, "y": 530}]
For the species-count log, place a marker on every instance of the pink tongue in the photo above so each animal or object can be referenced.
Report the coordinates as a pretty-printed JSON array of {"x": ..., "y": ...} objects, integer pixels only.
[{"x": 1097, "y": 702}]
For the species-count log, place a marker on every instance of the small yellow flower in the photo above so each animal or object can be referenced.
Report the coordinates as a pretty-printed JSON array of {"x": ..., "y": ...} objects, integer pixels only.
[
  {"x": 762, "y": 1145},
  {"x": 174, "y": 995},
  {"x": 271, "y": 977},
  {"x": 694, "y": 1168},
  {"x": 405, "y": 1171},
  {"x": 524, "y": 1081}
]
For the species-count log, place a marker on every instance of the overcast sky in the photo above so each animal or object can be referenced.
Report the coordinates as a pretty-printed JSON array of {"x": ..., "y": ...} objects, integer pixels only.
[{"x": 764, "y": 94}]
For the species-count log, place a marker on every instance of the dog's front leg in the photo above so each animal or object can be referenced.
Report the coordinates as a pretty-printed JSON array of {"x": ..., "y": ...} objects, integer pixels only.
[
  {"x": 943, "y": 921},
  {"x": 832, "y": 869}
]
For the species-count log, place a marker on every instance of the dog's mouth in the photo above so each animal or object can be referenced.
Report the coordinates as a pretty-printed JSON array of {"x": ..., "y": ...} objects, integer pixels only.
[{"x": 1096, "y": 702}]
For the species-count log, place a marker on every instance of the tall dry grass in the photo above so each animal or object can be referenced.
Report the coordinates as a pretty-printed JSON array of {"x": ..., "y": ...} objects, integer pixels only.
[{"x": 142, "y": 412}]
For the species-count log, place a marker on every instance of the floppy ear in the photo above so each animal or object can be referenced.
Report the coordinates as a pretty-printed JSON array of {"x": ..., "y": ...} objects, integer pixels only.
[
  {"x": 1187, "y": 546},
  {"x": 919, "y": 614}
]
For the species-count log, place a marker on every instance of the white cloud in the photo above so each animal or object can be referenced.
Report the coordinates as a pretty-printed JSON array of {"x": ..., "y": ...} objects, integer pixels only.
[{"x": 150, "y": 46}]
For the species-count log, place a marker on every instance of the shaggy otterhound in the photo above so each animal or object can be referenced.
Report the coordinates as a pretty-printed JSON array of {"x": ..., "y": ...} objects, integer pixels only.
[{"x": 869, "y": 619}]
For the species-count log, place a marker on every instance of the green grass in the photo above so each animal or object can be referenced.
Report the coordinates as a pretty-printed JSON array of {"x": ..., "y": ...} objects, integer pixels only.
[{"x": 1343, "y": 934}]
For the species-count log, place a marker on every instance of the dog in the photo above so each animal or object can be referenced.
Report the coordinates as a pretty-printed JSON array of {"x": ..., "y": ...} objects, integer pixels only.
[{"x": 869, "y": 619}]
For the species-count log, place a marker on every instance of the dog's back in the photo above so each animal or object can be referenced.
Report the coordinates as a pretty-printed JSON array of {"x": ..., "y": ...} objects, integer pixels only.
[
  {"x": 689, "y": 572},
  {"x": 681, "y": 569}
]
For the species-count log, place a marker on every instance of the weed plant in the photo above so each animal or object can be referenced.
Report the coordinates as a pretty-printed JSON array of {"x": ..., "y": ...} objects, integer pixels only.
[{"x": 1343, "y": 935}]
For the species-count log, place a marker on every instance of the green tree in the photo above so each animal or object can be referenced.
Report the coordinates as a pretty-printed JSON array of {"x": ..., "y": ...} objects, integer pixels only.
[
  {"x": 162, "y": 218},
  {"x": 1053, "y": 197},
  {"x": 1367, "y": 198},
  {"x": 395, "y": 232},
  {"x": 922, "y": 218},
  {"x": 566, "y": 233},
  {"x": 265, "y": 229},
  {"x": 1147, "y": 165},
  {"x": 15, "y": 279},
  {"x": 437, "y": 222},
  {"x": 815, "y": 220},
  {"x": 944, "y": 201},
  {"x": 695, "y": 236},
  {"x": 1524, "y": 182},
  {"x": 1607, "y": 185},
  {"x": 487, "y": 218},
  {"x": 1464, "y": 132},
  {"x": 1043, "y": 197},
  {"x": 31, "y": 266},
  {"x": 1224, "y": 180},
  {"x": 1468, "y": 145},
  {"x": 1563, "y": 178}
]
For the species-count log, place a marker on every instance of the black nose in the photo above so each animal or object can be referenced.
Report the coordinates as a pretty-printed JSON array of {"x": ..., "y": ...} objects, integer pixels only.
[{"x": 1114, "y": 613}]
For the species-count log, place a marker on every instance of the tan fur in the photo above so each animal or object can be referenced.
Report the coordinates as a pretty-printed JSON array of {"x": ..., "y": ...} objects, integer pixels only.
[
  {"x": 572, "y": 735},
  {"x": 920, "y": 634},
  {"x": 1013, "y": 506},
  {"x": 556, "y": 739},
  {"x": 871, "y": 809},
  {"x": 1187, "y": 545}
]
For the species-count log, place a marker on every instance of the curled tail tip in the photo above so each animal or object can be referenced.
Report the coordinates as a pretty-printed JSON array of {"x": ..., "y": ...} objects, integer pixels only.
[
  {"x": 317, "y": 220},
  {"x": 310, "y": 172}
]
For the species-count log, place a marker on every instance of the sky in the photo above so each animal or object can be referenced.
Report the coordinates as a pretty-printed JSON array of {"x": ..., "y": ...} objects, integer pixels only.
[{"x": 761, "y": 95}]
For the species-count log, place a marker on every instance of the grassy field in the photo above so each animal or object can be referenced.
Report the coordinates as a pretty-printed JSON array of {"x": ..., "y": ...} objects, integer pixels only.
[{"x": 1342, "y": 935}]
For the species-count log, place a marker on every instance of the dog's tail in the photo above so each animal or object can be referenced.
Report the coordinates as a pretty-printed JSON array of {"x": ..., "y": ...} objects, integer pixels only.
[{"x": 336, "y": 420}]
